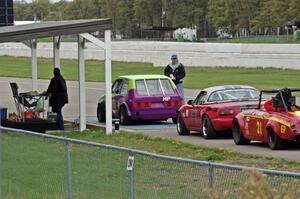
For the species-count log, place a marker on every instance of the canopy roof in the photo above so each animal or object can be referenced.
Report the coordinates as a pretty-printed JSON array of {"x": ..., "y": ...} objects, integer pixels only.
[{"x": 51, "y": 29}]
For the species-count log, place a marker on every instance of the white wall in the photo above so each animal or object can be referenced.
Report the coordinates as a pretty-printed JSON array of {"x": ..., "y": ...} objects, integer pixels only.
[{"x": 190, "y": 54}]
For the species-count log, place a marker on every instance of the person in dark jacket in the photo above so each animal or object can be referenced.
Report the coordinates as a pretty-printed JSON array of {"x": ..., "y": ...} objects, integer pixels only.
[
  {"x": 175, "y": 70},
  {"x": 57, "y": 90}
]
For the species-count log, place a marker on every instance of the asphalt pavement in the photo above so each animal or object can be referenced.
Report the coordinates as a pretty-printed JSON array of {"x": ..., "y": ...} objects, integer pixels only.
[{"x": 163, "y": 129}]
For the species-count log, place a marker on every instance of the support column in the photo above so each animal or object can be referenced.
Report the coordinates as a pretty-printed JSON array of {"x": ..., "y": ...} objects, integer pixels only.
[
  {"x": 56, "y": 52},
  {"x": 108, "y": 95},
  {"x": 33, "y": 46},
  {"x": 82, "y": 94}
]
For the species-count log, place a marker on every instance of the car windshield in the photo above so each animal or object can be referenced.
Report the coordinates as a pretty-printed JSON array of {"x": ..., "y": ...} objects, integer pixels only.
[
  {"x": 154, "y": 87},
  {"x": 234, "y": 95}
]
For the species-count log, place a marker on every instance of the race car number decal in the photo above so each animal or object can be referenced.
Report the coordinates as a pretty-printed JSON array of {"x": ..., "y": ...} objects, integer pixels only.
[
  {"x": 247, "y": 125},
  {"x": 166, "y": 99},
  {"x": 259, "y": 128},
  {"x": 282, "y": 129}
]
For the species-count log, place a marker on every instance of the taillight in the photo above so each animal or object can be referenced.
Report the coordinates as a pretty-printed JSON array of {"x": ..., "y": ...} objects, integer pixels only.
[
  {"x": 167, "y": 103},
  {"x": 147, "y": 104},
  {"x": 179, "y": 103},
  {"x": 173, "y": 103},
  {"x": 140, "y": 104},
  {"x": 226, "y": 112}
]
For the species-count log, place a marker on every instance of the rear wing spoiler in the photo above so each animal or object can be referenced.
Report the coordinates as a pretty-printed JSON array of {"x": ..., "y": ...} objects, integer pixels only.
[{"x": 278, "y": 90}]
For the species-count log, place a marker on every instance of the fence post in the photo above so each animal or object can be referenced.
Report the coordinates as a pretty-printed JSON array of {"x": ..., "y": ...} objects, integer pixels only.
[
  {"x": 210, "y": 175},
  {"x": 130, "y": 168},
  {"x": 68, "y": 163}
]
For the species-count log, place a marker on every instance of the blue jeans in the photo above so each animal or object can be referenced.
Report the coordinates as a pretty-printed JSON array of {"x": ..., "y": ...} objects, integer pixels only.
[
  {"x": 59, "y": 117},
  {"x": 180, "y": 90}
]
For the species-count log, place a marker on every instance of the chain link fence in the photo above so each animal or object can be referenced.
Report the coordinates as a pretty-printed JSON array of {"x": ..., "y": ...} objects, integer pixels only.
[{"x": 44, "y": 166}]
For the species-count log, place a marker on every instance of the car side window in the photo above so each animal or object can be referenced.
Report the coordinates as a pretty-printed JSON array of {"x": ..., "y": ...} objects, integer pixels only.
[
  {"x": 214, "y": 97},
  {"x": 200, "y": 98},
  {"x": 124, "y": 89},
  {"x": 117, "y": 86}
]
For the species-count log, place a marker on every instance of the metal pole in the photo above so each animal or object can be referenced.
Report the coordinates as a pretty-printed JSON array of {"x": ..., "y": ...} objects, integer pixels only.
[
  {"x": 210, "y": 175},
  {"x": 108, "y": 95},
  {"x": 131, "y": 177},
  {"x": 56, "y": 51},
  {"x": 82, "y": 94},
  {"x": 132, "y": 184},
  {"x": 69, "y": 175},
  {"x": 33, "y": 46}
]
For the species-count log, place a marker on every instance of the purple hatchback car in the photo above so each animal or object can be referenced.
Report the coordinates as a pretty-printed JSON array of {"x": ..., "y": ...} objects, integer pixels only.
[{"x": 142, "y": 97}]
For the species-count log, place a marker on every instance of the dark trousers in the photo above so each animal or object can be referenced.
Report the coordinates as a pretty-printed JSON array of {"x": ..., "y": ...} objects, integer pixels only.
[{"x": 59, "y": 117}]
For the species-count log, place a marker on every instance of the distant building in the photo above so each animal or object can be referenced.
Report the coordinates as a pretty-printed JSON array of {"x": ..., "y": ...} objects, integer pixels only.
[{"x": 157, "y": 32}]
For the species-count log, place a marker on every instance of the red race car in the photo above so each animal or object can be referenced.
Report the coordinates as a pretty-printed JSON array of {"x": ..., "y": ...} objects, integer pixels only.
[
  {"x": 275, "y": 122},
  {"x": 214, "y": 109}
]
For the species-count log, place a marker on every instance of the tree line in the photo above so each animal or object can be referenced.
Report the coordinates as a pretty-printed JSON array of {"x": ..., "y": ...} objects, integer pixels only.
[{"x": 207, "y": 16}]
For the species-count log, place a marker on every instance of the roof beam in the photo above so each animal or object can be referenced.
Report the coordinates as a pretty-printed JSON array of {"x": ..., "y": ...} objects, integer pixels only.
[{"x": 94, "y": 40}]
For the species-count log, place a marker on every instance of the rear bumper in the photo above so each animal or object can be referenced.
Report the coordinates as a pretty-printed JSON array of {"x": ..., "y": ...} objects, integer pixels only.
[
  {"x": 154, "y": 114},
  {"x": 221, "y": 124}
]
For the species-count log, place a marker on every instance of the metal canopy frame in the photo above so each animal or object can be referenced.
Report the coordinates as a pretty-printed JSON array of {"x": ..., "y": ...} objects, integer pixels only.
[{"x": 28, "y": 34}]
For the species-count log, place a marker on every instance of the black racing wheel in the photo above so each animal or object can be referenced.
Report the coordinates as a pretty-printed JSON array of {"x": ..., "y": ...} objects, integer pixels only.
[
  {"x": 237, "y": 134},
  {"x": 274, "y": 141},
  {"x": 207, "y": 128},
  {"x": 100, "y": 113},
  {"x": 124, "y": 117},
  {"x": 181, "y": 128}
]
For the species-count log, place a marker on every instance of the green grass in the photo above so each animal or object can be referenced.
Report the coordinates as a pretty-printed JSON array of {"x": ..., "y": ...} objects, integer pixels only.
[
  {"x": 196, "y": 77},
  {"x": 181, "y": 149},
  {"x": 34, "y": 167}
]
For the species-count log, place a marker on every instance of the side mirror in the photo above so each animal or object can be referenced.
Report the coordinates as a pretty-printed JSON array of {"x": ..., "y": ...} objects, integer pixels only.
[{"x": 190, "y": 102}]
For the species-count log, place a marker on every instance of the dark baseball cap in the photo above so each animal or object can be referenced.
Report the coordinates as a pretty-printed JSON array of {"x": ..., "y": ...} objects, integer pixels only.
[{"x": 174, "y": 57}]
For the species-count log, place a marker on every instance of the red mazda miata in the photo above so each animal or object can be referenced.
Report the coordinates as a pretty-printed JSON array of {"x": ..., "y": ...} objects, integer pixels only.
[{"x": 214, "y": 109}]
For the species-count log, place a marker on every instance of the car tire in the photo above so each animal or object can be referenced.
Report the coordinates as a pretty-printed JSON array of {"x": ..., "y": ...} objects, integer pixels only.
[
  {"x": 237, "y": 134},
  {"x": 207, "y": 128},
  {"x": 100, "y": 113},
  {"x": 180, "y": 126},
  {"x": 274, "y": 141},
  {"x": 174, "y": 120},
  {"x": 124, "y": 117}
]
